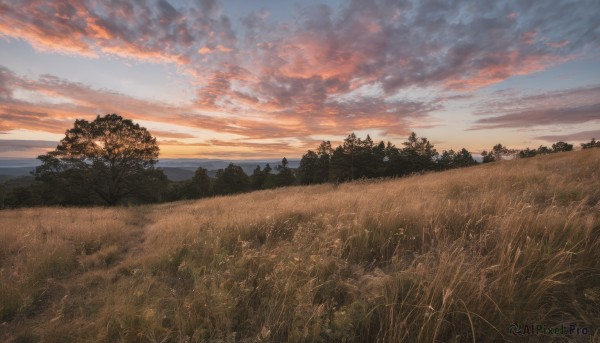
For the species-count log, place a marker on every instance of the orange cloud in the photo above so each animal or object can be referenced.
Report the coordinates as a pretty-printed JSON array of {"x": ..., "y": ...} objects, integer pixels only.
[
  {"x": 98, "y": 31},
  {"x": 219, "y": 48},
  {"x": 133, "y": 51},
  {"x": 171, "y": 134},
  {"x": 205, "y": 50}
]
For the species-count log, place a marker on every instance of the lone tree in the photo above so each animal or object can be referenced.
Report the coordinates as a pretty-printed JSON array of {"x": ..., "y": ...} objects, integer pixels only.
[{"x": 110, "y": 158}]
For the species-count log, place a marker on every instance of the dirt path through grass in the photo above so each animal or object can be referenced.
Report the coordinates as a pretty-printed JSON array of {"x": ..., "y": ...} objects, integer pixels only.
[{"x": 68, "y": 276}]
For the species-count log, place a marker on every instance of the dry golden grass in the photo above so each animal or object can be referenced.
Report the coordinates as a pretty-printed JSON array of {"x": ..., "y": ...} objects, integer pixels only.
[{"x": 456, "y": 256}]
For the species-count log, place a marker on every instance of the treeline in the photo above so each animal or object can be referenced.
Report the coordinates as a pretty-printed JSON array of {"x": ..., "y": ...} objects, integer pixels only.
[
  {"x": 76, "y": 188},
  {"x": 363, "y": 159},
  {"x": 230, "y": 180},
  {"x": 354, "y": 159},
  {"x": 73, "y": 182},
  {"x": 499, "y": 151}
]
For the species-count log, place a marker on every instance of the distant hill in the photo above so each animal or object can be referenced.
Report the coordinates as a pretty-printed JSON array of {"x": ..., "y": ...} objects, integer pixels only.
[
  {"x": 175, "y": 169},
  {"x": 213, "y": 165},
  {"x": 18, "y": 162},
  {"x": 17, "y": 171},
  {"x": 15, "y": 167},
  {"x": 177, "y": 174},
  {"x": 11, "y": 168},
  {"x": 184, "y": 169}
]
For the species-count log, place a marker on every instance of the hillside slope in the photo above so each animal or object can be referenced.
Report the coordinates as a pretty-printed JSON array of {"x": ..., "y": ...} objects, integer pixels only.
[{"x": 458, "y": 256}]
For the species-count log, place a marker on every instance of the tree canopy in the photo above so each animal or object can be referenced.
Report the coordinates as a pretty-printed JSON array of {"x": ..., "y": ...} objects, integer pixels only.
[
  {"x": 562, "y": 146},
  {"x": 231, "y": 180},
  {"x": 544, "y": 150},
  {"x": 108, "y": 159}
]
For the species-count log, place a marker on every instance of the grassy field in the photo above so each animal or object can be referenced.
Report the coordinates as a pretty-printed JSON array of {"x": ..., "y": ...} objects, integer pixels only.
[{"x": 457, "y": 256}]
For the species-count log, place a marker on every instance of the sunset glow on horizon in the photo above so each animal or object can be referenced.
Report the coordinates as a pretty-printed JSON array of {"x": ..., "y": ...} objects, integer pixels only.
[{"x": 266, "y": 79}]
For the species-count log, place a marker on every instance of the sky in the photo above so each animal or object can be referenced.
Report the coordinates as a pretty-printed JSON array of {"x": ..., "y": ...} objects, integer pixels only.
[{"x": 239, "y": 79}]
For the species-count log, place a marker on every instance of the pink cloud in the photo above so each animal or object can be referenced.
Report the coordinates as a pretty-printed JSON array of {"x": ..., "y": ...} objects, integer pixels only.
[
  {"x": 219, "y": 48},
  {"x": 529, "y": 37},
  {"x": 560, "y": 44},
  {"x": 171, "y": 134}
]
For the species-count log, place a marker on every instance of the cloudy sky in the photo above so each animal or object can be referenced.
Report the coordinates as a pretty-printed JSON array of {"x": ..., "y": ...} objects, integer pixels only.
[{"x": 272, "y": 78}]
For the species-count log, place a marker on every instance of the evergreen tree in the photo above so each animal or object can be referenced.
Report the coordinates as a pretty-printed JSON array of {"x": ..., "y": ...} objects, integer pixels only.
[
  {"x": 394, "y": 163},
  {"x": 369, "y": 159},
  {"x": 446, "y": 160},
  {"x": 496, "y": 154},
  {"x": 231, "y": 180},
  {"x": 464, "y": 159},
  {"x": 543, "y": 150},
  {"x": 451, "y": 159},
  {"x": 308, "y": 168},
  {"x": 487, "y": 157},
  {"x": 201, "y": 184},
  {"x": 377, "y": 168},
  {"x": 350, "y": 149},
  {"x": 527, "y": 153},
  {"x": 285, "y": 177},
  {"x": 340, "y": 166},
  {"x": 419, "y": 154},
  {"x": 324, "y": 152},
  {"x": 258, "y": 178},
  {"x": 561, "y": 146},
  {"x": 499, "y": 151},
  {"x": 270, "y": 179}
]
